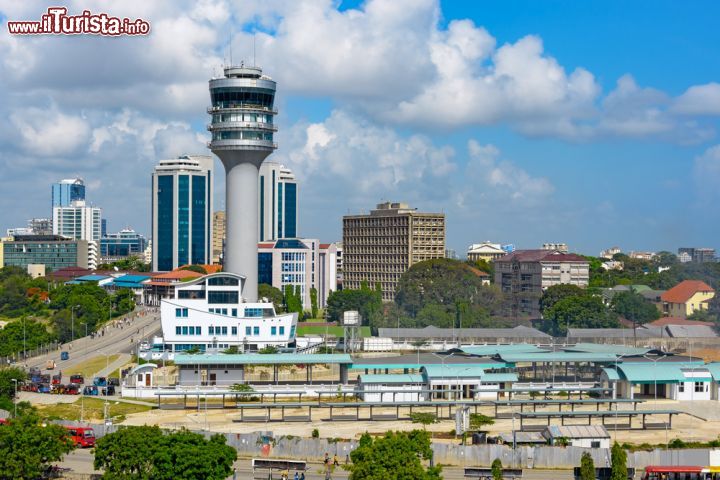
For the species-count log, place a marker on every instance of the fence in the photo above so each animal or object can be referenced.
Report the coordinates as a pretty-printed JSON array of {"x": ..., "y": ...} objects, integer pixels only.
[{"x": 35, "y": 352}]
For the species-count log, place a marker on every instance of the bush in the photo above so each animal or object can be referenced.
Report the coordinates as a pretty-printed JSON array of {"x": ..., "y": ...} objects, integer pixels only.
[
  {"x": 497, "y": 469},
  {"x": 315, "y": 433}
]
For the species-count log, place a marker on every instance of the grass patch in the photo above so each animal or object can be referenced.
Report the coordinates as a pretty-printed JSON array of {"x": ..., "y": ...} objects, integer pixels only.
[
  {"x": 337, "y": 331},
  {"x": 90, "y": 367},
  {"x": 92, "y": 409}
]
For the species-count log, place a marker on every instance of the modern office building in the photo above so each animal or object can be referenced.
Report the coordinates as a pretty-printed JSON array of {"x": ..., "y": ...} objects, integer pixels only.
[
  {"x": 278, "y": 202},
  {"x": 35, "y": 226},
  {"x": 218, "y": 242},
  {"x": 53, "y": 251},
  {"x": 698, "y": 255},
  {"x": 242, "y": 130},
  {"x": 125, "y": 243},
  {"x": 67, "y": 191},
  {"x": 381, "y": 246},
  {"x": 78, "y": 220},
  {"x": 524, "y": 274},
  {"x": 182, "y": 200},
  {"x": 302, "y": 263},
  {"x": 208, "y": 314}
]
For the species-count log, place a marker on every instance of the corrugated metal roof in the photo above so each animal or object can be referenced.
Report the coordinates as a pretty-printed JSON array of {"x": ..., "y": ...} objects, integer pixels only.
[
  {"x": 611, "y": 373},
  {"x": 651, "y": 372},
  {"x": 487, "y": 350},
  {"x": 431, "y": 332},
  {"x": 714, "y": 369},
  {"x": 576, "y": 431},
  {"x": 394, "y": 379},
  {"x": 559, "y": 357},
  {"x": 261, "y": 359},
  {"x": 498, "y": 377},
  {"x": 612, "y": 333},
  {"x": 690, "y": 331},
  {"x": 607, "y": 348},
  {"x": 451, "y": 371}
]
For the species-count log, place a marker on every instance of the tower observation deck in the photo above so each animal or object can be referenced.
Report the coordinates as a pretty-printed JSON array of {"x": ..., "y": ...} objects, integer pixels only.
[{"x": 242, "y": 137}]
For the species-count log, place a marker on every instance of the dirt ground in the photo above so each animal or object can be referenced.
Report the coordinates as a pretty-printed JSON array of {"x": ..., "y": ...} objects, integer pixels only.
[{"x": 686, "y": 427}]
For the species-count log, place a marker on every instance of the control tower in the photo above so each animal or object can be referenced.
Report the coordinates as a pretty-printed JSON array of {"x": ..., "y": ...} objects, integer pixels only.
[{"x": 242, "y": 137}]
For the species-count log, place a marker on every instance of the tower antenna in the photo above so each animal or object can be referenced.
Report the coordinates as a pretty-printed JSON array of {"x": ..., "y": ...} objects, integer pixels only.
[
  {"x": 254, "y": 62},
  {"x": 230, "y": 41}
]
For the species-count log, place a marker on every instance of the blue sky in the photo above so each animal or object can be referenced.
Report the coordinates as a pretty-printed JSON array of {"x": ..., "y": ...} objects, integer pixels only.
[{"x": 591, "y": 123}]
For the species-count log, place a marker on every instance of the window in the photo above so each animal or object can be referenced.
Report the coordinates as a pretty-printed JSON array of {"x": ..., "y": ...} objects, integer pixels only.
[
  {"x": 248, "y": 331},
  {"x": 211, "y": 330},
  {"x": 191, "y": 294},
  {"x": 595, "y": 444},
  {"x": 181, "y": 312},
  {"x": 184, "y": 330},
  {"x": 198, "y": 331},
  {"x": 233, "y": 330},
  {"x": 253, "y": 312},
  {"x": 223, "y": 296},
  {"x": 699, "y": 387},
  {"x": 292, "y": 331},
  {"x": 178, "y": 331},
  {"x": 681, "y": 387},
  {"x": 223, "y": 281},
  {"x": 282, "y": 330},
  {"x": 256, "y": 330},
  {"x": 273, "y": 331},
  {"x": 224, "y": 330},
  {"x": 234, "y": 312}
]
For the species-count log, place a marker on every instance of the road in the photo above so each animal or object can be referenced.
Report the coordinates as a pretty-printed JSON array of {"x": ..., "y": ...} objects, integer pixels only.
[
  {"x": 116, "y": 339},
  {"x": 81, "y": 461}
]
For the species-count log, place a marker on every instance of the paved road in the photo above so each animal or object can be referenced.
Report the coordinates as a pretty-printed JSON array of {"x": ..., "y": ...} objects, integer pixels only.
[
  {"x": 81, "y": 461},
  {"x": 116, "y": 339}
]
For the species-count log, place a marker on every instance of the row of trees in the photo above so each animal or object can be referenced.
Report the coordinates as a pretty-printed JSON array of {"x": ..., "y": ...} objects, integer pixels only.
[
  {"x": 44, "y": 313},
  {"x": 290, "y": 299}
]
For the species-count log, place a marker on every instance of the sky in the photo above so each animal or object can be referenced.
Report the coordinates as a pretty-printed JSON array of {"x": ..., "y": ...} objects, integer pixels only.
[{"x": 589, "y": 123}]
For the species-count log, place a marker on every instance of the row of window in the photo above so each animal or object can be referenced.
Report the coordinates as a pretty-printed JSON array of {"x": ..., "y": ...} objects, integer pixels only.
[
  {"x": 293, "y": 256},
  {"x": 242, "y": 135},
  {"x": 292, "y": 267},
  {"x": 242, "y": 117},
  {"x": 249, "y": 312},
  {"x": 249, "y": 331}
]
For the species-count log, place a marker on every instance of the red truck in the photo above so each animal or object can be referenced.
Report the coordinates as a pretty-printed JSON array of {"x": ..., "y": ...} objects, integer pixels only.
[{"x": 82, "y": 436}]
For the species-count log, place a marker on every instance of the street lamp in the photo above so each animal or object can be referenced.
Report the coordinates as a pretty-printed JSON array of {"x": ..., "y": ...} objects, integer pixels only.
[
  {"x": 72, "y": 322},
  {"x": 15, "y": 381},
  {"x": 442, "y": 361}
]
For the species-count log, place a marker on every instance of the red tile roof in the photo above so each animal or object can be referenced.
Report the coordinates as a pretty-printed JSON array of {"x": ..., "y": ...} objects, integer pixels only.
[
  {"x": 541, "y": 256},
  {"x": 661, "y": 322},
  {"x": 177, "y": 275},
  {"x": 266, "y": 245},
  {"x": 324, "y": 246},
  {"x": 683, "y": 291}
]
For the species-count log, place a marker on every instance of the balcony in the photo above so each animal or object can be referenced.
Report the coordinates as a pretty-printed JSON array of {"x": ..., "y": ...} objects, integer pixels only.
[
  {"x": 242, "y": 107},
  {"x": 239, "y": 125},
  {"x": 242, "y": 144}
]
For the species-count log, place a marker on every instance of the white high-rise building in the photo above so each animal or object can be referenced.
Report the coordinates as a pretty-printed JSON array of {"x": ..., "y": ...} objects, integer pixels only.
[
  {"x": 81, "y": 222},
  {"x": 182, "y": 205},
  {"x": 278, "y": 202}
]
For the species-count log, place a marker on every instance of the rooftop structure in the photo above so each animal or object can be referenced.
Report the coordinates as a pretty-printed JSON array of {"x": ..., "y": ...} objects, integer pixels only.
[{"x": 687, "y": 297}]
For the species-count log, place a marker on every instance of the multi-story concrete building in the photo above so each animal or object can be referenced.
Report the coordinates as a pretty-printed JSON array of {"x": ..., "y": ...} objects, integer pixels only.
[
  {"x": 53, "y": 251},
  {"x": 208, "y": 313},
  {"x": 610, "y": 252},
  {"x": 78, "y": 220},
  {"x": 218, "y": 239},
  {"x": 524, "y": 274},
  {"x": 302, "y": 263},
  {"x": 125, "y": 243},
  {"x": 698, "y": 255},
  {"x": 278, "y": 202},
  {"x": 642, "y": 255},
  {"x": 67, "y": 191},
  {"x": 378, "y": 248},
  {"x": 485, "y": 251},
  {"x": 182, "y": 198}
]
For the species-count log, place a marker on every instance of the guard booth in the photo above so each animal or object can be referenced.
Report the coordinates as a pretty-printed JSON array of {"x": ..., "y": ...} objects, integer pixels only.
[{"x": 272, "y": 468}]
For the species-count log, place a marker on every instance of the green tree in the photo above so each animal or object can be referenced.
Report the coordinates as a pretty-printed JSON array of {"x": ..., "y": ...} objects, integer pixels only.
[
  {"x": 268, "y": 350},
  {"x": 581, "y": 312},
  {"x": 7, "y": 386},
  {"x": 148, "y": 453},
  {"x": 478, "y": 421},
  {"x": 634, "y": 307},
  {"x": 365, "y": 300},
  {"x": 497, "y": 469},
  {"x": 195, "y": 268},
  {"x": 587, "y": 467},
  {"x": 313, "y": 302},
  {"x": 293, "y": 302},
  {"x": 132, "y": 263},
  {"x": 273, "y": 294},
  {"x": 27, "y": 448},
  {"x": 395, "y": 456},
  {"x": 25, "y": 333},
  {"x": 441, "y": 291},
  {"x": 423, "y": 418},
  {"x": 555, "y": 293},
  {"x": 618, "y": 463}
]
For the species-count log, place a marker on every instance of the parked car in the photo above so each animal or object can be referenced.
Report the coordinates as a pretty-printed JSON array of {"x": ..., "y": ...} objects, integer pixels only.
[
  {"x": 43, "y": 388},
  {"x": 90, "y": 390},
  {"x": 57, "y": 379},
  {"x": 34, "y": 371},
  {"x": 99, "y": 381},
  {"x": 64, "y": 355},
  {"x": 77, "y": 379},
  {"x": 114, "y": 381},
  {"x": 72, "y": 389},
  {"x": 109, "y": 390},
  {"x": 50, "y": 364}
]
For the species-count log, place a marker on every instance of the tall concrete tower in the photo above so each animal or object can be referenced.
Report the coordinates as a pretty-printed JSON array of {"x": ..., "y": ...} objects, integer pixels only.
[{"x": 242, "y": 137}]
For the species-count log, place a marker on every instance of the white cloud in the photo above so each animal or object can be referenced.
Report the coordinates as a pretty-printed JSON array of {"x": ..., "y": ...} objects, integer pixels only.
[
  {"x": 706, "y": 170},
  {"x": 699, "y": 100},
  {"x": 49, "y": 132}
]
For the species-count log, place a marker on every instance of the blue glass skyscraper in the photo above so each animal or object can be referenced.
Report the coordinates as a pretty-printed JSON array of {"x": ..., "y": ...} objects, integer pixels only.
[
  {"x": 66, "y": 191},
  {"x": 278, "y": 202}
]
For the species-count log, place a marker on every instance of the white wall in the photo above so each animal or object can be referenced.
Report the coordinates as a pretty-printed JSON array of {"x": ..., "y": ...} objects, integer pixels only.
[{"x": 374, "y": 393}]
